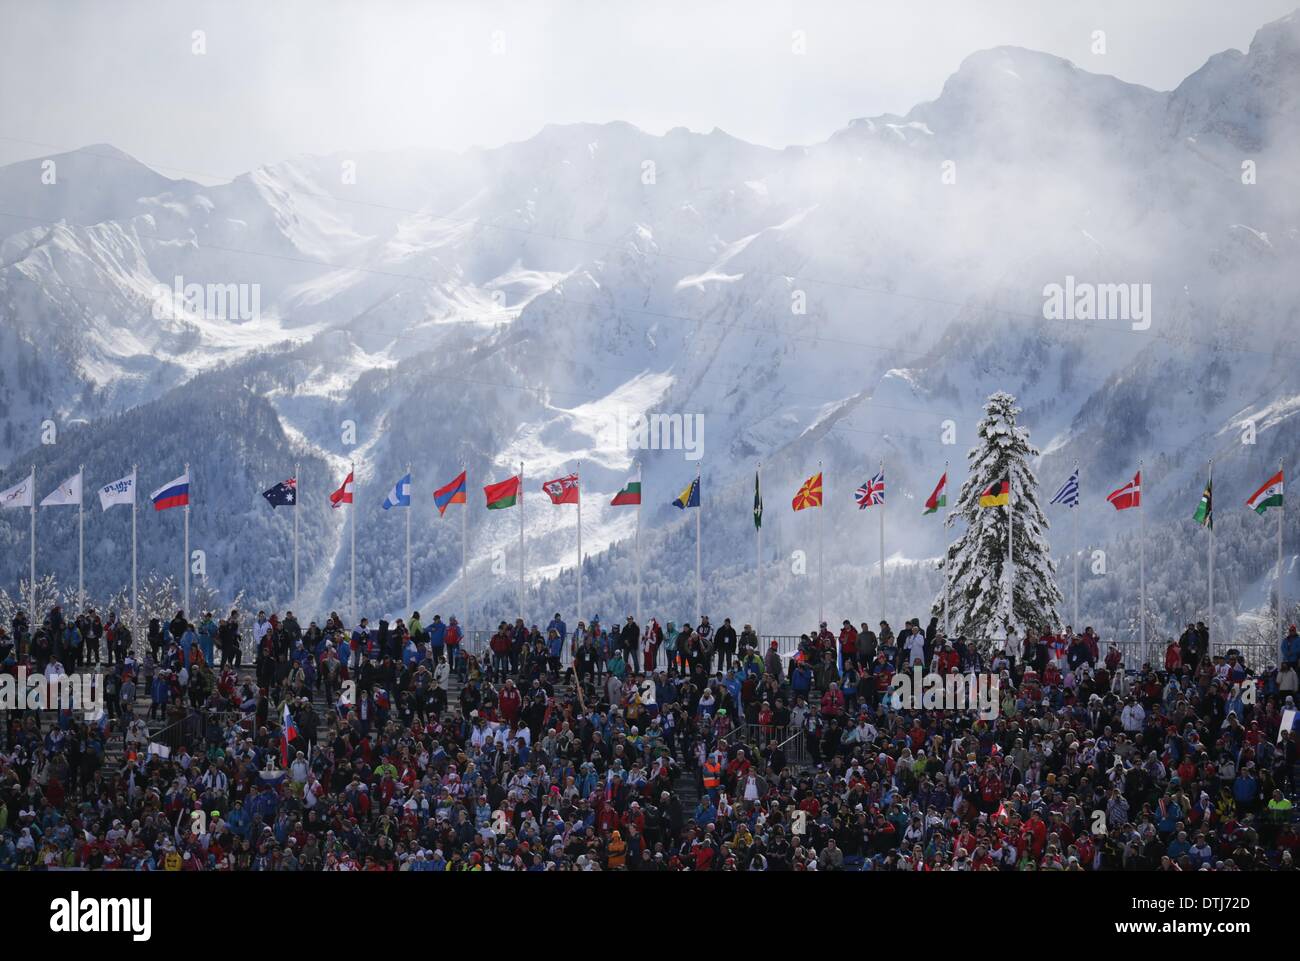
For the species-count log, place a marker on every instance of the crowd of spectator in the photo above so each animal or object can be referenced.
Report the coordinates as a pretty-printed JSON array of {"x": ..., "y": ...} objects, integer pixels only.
[{"x": 655, "y": 747}]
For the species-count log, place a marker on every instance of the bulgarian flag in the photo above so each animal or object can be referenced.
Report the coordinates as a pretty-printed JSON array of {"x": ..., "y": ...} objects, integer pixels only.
[
  {"x": 630, "y": 494},
  {"x": 939, "y": 498},
  {"x": 502, "y": 495},
  {"x": 1270, "y": 495}
]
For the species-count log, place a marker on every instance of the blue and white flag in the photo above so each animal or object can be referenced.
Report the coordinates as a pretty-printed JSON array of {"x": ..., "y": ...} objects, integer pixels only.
[
  {"x": 399, "y": 496},
  {"x": 1069, "y": 492}
]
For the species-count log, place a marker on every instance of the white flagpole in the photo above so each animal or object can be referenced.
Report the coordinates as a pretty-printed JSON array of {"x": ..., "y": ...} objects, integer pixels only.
[
  {"x": 81, "y": 538},
  {"x": 699, "y": 511},
  {"x": 521, "y": 540},
  {"x": 1142, "y": 562},
  {"x": 821, "y": 577},
  {"x": 1281, "y": 507},
  {"x": 1011, "y": 556},
  {"x": 135, "y": 498},
  {"x": 636, "y": 543},
  {"x": 297, "y": 498},
  {"x": 883, "y": 615},
  {"x": 464, "y": 537},
  {"x": 410, "y": 508},
  {"x": 352, "y": 519},
  {"x": 1074, "y": 510},
  {"x": 32, "y": 574},
  {"x": 1209, "y": 561},
  {"x": 578, "y": 473},
  {"x": 1209, "y": 617},
  {"x": 187, "y": 544},
  {"x": 758, "y": 558},
  {"x": 947, "y": 570}
]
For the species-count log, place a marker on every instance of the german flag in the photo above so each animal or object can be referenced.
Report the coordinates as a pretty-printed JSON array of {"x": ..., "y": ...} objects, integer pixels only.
[
  {"x": 810, "y": 494},
  {"x": 996, "y": 495}
]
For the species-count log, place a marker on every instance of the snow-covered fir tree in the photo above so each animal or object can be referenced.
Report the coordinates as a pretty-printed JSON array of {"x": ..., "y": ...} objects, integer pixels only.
[{"x": 980, "y": 602}]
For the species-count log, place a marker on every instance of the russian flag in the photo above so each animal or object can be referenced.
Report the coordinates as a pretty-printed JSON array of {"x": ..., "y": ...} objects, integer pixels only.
[
  {"x": 453, "y": 493},
  {"x": 172, "y": 494},
  {"x": 289, "y": 733}
]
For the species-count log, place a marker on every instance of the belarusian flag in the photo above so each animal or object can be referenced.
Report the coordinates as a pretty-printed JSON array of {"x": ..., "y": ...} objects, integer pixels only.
[
  {"x": 1205, "y": 509},
  {"x": 1270, "y": 495},
  {"x": 939, "y": 498},
  {"x": 502, "y": 495},
  {"x": 630, "y": 494}
]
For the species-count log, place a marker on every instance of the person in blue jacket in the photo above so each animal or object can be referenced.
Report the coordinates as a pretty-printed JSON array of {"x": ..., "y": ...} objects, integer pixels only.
[
  {"x": 1291, "y": 647},
  {"x": 437, "y": 632}
]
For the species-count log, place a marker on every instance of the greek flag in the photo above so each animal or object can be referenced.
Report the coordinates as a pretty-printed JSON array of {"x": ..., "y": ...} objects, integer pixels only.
[
  {"x": 1069, "y": 492},
  {"x": 399, "y": 496}
]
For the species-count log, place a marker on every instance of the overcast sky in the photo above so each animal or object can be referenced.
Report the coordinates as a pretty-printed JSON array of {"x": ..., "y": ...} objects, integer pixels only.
[{"x": 316, "y": 76}]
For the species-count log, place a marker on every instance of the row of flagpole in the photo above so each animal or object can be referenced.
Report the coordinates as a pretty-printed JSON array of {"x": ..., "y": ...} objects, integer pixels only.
[{"x": 70, "y": 493}]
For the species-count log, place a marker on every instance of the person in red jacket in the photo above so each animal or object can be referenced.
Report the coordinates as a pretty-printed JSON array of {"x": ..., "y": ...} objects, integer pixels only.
[
  {"x": 509, "y": 703},
  {"x": 833, "y": 701},
  {"x": 849, "y": 643}
]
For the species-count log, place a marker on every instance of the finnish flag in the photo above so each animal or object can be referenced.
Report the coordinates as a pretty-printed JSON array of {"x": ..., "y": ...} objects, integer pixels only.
[{"x": 399, "y": 496}]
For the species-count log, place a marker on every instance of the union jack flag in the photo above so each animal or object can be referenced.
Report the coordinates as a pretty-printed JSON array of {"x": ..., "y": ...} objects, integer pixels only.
[{"x": 872, "y": 492}]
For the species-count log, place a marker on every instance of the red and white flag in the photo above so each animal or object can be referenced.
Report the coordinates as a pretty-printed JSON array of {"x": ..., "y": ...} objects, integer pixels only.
[
  {"x": 562, "y": 490},
  {"x": 1130, "y": 495},
  {"x": 344, "y": 494}
]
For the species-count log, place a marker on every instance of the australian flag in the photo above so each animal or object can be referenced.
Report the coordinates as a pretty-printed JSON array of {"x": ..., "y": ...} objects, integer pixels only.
[{"x": 283, "y": 494}]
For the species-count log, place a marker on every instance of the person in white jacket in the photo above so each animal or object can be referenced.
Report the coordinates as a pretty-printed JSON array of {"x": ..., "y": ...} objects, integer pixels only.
[{"x": 1133, "y": 717}]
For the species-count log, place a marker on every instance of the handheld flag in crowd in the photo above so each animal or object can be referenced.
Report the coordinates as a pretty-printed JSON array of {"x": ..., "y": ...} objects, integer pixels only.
[
  {"x": 66, "y": 494},
  {"x": 20, "y": 495},
  {"x": 1269, "y": 495},
  {"x": 562, "y": 490},
  {"x": 872, "y": 492},
  {"x": 758, "y": 503},
  {"x": 283, "y": 494},
  {"x": 689, "y": 497},
  {"x": 1130, "y": 495},
  {"x": 810, "y": 494},
  {"x": 120, "y": 491},
  {"x": 452, "y": 493},
  {"x": 938, "y": 497},
  {"x": 629, "y": 495},
  {"x": 344, "y": 494},
  {"x": 288, "y": 734},
  {"x": 400, "y": 495},
  {"x": 502, "y": 495},
  {"x": 997, "y": 494},
  {"x": 1069, "y": 492},
  {"x": 172, "y": 494}
]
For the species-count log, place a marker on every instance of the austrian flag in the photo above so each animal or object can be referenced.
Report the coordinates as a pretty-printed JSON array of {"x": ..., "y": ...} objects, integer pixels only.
[
  {"x": 562, "y": 490},
  {"x": 344, "y": 494}
]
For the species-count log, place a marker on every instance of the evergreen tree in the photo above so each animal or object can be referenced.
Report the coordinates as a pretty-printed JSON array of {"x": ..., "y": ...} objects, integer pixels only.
[{"x": 978, "y": 596}]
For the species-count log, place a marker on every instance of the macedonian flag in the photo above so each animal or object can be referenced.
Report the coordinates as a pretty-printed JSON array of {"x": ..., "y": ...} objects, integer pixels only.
[{"x": 810, "y": 494}]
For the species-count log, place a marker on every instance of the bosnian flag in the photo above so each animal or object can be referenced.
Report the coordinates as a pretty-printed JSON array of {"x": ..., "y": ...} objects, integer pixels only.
[
  {"x": 344, "y": 494},
  {"x": 172, "y": 494},
  {"x": 288, "y": 733},
  {"x": 1130, "y": 495}
]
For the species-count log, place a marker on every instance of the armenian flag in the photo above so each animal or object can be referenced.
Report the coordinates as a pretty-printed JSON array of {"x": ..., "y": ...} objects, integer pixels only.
[{"x": 453, "y": 493}]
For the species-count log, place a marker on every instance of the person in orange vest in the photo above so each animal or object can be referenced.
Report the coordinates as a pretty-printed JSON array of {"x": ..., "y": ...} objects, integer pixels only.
[{"x": 712, "y": 772}]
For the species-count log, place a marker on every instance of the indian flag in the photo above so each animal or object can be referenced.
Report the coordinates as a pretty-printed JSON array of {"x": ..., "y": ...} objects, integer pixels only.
[
  {"x": 1270, "y": 495},
  {"x": 630, "y": 494}
]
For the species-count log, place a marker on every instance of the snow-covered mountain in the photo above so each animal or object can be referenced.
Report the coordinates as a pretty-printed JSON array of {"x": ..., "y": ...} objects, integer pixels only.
[{"x": 841, "y": 303}]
